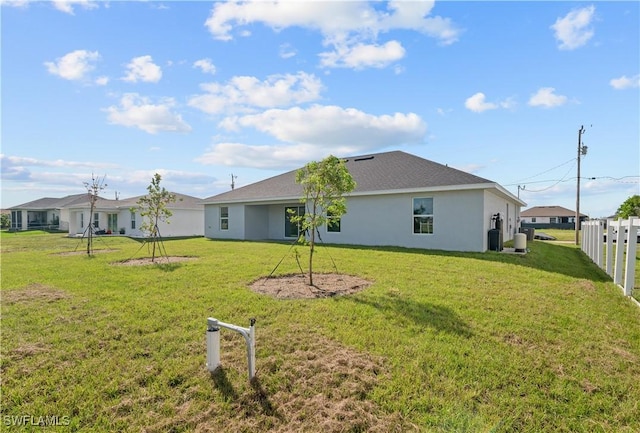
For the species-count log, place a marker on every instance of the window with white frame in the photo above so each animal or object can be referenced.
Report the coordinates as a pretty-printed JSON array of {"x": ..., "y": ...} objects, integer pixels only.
[
  {"x": 96, "y": 220},
  {"x": 16, "y": 219},
  {"x": 224, "y": 218},
  {"x": 423, "y": 215},
  {"x": 133, "y": 220},
  {"x": 81, "y": 220}
]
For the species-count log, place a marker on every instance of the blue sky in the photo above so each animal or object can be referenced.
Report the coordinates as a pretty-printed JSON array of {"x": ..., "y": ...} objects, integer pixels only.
[{"x": 198, "y": 91}]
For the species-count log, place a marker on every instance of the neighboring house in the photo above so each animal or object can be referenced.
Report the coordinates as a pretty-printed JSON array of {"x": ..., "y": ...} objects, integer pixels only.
[
  {"x": 400, "y": 200},
  {"x": 549, "y": 217},
  {"x": 72, "y": 214},
  {"x": 44, "y": 213},
  {"x": 122, "y": 217}
]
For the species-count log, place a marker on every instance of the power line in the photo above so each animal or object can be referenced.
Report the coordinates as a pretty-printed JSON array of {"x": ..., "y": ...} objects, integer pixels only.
[
  {"x": 546, "y": 171},
  {"x": 561, "y": 180},
  {"x": 617, "y": 179}
]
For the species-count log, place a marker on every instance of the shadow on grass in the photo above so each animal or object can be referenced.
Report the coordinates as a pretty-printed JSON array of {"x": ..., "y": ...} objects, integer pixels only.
[
  {"x": 422, "y": 314},
  {"x": 168, "y": 267},
  {"x": 256, "y": 402},
  {"x": 262, "y": 398},
  {"x": 222, "y": 384},
  {"x": 545, "y": 256}
]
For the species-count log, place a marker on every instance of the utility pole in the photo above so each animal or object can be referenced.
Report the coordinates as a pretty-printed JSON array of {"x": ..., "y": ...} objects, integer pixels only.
[
  {"x": 582, "y": 150},
  {"x": 233, "y": 181}
]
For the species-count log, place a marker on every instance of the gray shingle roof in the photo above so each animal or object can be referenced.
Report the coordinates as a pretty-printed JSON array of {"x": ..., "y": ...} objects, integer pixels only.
[
  {"x": 548, "y": 211},
  {"x": 183, "y": 201},
  {"x": 54, "y": 203},
  {"x": 81, "y": 201},
  {"x": 388, "y": 171}
]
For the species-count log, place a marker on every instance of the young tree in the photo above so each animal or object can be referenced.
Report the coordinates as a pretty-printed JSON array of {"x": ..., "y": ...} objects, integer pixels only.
[
  {"x": 93, "y": 190},
  {"x": 630, "y": 207},
  {"x": 323, "y": 185},
  {"x": 153, "y": 209}
]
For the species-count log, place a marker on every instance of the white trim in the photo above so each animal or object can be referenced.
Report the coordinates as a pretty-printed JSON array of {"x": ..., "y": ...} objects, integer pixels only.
[{"x": 444, "y": 188}]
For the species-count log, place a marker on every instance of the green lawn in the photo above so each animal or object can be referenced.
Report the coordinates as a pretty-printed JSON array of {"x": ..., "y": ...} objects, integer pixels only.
[
  {"x": 440, "y": 342},
  {"x": 569, "y": 236}
]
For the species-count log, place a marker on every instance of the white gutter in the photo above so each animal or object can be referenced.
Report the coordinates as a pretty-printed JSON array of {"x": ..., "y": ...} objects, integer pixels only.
[{"x": 444, "y": 188}]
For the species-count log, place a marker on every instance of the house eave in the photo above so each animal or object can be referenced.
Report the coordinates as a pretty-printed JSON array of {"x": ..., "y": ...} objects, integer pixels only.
[{"x": 443, "y": 188}]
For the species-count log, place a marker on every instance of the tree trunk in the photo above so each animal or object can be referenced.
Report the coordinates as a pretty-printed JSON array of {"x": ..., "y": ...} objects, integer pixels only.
[
  {"x": 311, "y": 247},
  {"x": 154, "y": 239}
]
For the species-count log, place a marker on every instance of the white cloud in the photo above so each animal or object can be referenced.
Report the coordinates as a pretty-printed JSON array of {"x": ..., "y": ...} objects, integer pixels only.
[
  {"x": 244, "y": 92},
  {"x": 143, "y": 69},
  {"x": 265, "y": 156},
  {"x": 205, "y": 66},
  {"x": 545, "y": 97},
  {"x": 478, "y": 104},
  {"x": 102, "y": 81},
  {"x": 66, "y": 6},
  {"x": 169, "y": 177},
  {"x": 17, "y": 168},
  {"x": 625, "y": 82},
  {"x": 74, "y": 65},
  {"x": 574, "y": 30},
  {"x": 27, "y": 161},
  {"x": 15, "y": 3},
  {"x": 287, "y": 51},
  {"x": 136, "y": 111},
  {"x": 313, "y": 133},
  {"x": 351, "y": 28},
  {"x": 334, "y": 127},
  {"x": 361, "y": 56}
]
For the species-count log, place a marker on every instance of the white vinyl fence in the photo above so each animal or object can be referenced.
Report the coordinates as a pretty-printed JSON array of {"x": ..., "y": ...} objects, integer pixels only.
[{"x": 624, "y": 233}]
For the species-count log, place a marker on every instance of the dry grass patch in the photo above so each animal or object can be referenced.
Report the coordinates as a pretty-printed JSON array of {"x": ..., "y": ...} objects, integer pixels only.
[
  {"x": 27, "y": 350},
  {"x": 311, "y": 384},
  {"x": 297, "y": 286},
  {"x": 158, "y": 261},
  {"x": 322, "y": 387},
  {"x": 33, "y": 292}
]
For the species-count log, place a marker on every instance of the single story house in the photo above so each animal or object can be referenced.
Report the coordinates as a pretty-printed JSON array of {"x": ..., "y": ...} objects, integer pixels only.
[
  {"x": 549, "y": 217},
  {"x": 122, "y": 217},
  {"x": 44, "y": 213},
  {"x": 400, "y": 200},
  {"x": 73, "y": 214}
]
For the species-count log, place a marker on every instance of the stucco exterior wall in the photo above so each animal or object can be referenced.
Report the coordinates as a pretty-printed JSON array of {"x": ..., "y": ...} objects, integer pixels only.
[
  {"x": 461, "y": 221},
  {"x": 387, "y": 220},
  {"x": 256, "y": 222},
  {"x": 508, "y": 211},
  {"x": 236, "y": 222},
  {"x": 183, "y": 222}
]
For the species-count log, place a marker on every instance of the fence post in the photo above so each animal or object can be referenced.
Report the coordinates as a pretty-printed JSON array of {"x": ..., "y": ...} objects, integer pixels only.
[
  {"x": 619, "y": 266},
  {"x": 609, "y": 265},
  {"x": 630, "y": 266}
]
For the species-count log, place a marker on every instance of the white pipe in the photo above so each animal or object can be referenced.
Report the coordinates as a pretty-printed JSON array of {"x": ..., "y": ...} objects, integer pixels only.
[
  {"x": 249, "y": 335},
  {"x": 213, "y": 349}
]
